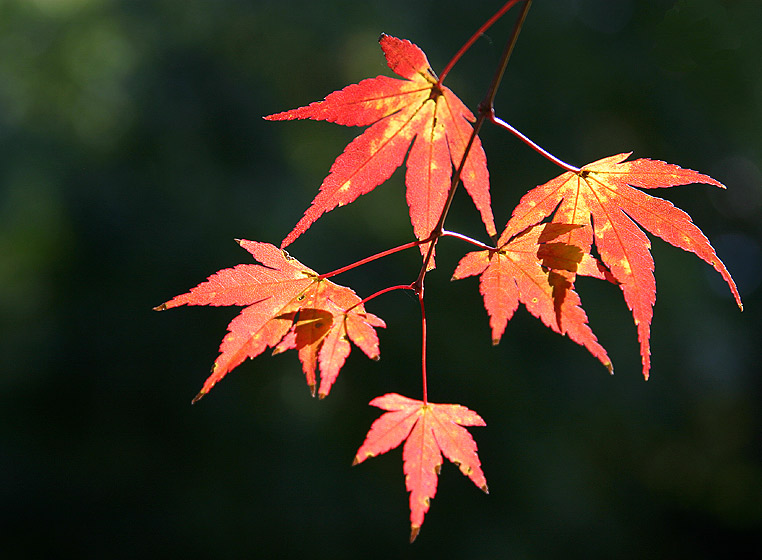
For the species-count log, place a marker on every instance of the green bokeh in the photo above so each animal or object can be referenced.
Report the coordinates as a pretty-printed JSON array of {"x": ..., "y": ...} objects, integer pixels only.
[{"x": 132, "y": 153}]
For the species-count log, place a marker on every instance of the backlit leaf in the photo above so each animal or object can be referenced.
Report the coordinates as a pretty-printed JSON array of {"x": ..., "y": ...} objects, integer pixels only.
[
  {"x": 414, "y": 110},
  {"x": 429, "y": 431},
  {"x": 287, "y": 306},
  {"x": 602, "y": 201}
]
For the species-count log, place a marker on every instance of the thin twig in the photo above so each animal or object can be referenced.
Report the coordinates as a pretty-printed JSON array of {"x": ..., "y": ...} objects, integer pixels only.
[
  {"x": 489, "y": 99},
  {"x": 380, "y": 292},
  {"x": 371, "y": 259},
  {"x": 479, "y": 32}
]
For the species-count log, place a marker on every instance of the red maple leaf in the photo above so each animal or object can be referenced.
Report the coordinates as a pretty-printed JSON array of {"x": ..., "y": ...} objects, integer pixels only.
[
  {"x": 287, "y": 306},
  {"x": 428, "y": 430},
  {"x": 532, "y": 270},
  {"x": 416, "y": 109},
  {"x": 601, "y": 199}
]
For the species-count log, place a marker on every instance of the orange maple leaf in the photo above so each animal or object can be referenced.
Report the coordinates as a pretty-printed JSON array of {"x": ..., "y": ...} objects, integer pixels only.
[
  {"x": 288, "y": 306},
  {"x": 601, "y": 199},
  {"x": 532, "y": 270},
  {"x": 399, "y": 112},
  {"x": 428, "y": 430}
]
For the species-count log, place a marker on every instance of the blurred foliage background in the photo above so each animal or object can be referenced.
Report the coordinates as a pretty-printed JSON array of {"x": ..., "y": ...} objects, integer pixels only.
[{"x": 132, "y": 153}]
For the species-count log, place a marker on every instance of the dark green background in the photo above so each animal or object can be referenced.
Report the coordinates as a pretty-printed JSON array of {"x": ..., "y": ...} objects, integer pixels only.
[{"x": 132, "y": 153}]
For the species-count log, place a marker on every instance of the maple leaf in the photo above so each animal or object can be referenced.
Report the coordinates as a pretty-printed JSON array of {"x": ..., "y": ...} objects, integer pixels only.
[
  {"x": 416, "y": 109},
  {"x": 529, "y": 269},
  {"x": 428, "y": 430},
  {"x": 601, "y": 199},
  {"x": 287, "y": 306}
]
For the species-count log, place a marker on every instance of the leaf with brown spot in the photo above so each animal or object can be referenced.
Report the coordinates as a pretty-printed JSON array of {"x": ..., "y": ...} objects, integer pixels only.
[
  {"x": 538, "y": 271},
  {"x": 286, "y": 306},
  {"x": 602, "y": 201}
]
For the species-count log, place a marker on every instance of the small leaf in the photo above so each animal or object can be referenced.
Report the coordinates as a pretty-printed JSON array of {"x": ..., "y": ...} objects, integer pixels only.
[
  {"x": 287, "y": 306},
  {"x": 429, "y": 431}
]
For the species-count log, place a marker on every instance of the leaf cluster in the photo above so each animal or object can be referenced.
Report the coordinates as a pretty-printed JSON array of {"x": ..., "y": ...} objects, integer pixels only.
[{"x": 588, "y": 221}]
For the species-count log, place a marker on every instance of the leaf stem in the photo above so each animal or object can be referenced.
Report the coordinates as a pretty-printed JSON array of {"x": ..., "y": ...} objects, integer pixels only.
[
  {"x": 371, "y": 259},
  {"x": 542, "y": 151},
  {"x": 467, "y": 239},
  {"x": 423, "y": 348},
  {"x": 381, "y": 292},
  {"x": 479, "y": 32}
]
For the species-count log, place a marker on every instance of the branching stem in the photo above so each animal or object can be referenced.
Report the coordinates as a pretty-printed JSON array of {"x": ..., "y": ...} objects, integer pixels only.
[
  {"x": 486, "y": 112},
  {"x": 438, "y": 230},
  {"x": 483, "y": 115},
  {"x": 487, "y": 107}
]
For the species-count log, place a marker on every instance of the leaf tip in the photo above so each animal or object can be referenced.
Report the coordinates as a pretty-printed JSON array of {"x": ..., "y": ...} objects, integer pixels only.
[
  {"x": 198, "y": 397},
  {"x": 313, "y": 388},
  {"x": 484, "y": 489},
  {"x": 414, "y": 532},
  {"x": 358, "y": 459},
  {"x": 163, "y": 307}
]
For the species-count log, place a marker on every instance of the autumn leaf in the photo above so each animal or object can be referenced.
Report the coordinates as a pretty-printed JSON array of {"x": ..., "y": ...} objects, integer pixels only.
[
  {"x": 413, "y": 110},
  {"x": 533, "y": 269},
  {"x": 429, "y": 431},
  {"x": 286, "y": 306},
  {"x": 601, "y": 199}
]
